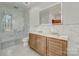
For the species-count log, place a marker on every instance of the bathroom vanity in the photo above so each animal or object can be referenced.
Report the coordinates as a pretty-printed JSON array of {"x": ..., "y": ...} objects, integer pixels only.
[{"x": 47, "y": 44}]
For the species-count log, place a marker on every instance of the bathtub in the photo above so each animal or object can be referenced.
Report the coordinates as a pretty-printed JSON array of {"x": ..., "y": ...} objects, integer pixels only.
[{"x": 8, "y": 39}]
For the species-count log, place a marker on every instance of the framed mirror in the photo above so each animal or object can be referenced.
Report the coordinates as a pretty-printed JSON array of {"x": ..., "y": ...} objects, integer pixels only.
[{"x": 51, "y": 15}]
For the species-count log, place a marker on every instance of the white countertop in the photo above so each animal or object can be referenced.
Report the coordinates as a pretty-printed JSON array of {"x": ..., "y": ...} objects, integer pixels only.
[{"x": 63, "y": 37}]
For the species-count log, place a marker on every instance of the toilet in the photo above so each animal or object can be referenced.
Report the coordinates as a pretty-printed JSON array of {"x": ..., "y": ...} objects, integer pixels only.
[{"x": 25, "y": 42}]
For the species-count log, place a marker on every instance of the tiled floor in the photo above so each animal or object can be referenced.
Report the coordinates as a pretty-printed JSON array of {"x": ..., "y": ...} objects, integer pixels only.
[{"x": 19, "y": 50}]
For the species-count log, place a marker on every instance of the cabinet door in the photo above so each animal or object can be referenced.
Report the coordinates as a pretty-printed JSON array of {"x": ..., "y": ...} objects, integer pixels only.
[
  {"x": 32, "y": 40},
  {"x": 41, "y": 45},
  {"x": 56, "y": 47}
]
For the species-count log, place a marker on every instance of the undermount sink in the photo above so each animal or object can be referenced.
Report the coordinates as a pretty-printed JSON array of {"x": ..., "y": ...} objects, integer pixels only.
[
  {"x": 55, "y": 34},
  {"x": 40, "y": 31},
  {"x": 52, "y": 33}
]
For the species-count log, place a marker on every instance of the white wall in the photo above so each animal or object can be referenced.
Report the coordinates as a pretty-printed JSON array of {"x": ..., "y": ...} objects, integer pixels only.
[
  {"x": 70, "y": 17},
  {"x": 26, "y": 22},
  {"x": 34, "y": 17}
]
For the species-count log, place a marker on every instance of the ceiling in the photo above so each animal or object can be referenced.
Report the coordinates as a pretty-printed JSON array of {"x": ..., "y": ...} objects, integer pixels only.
[
  {"x": 41, "y": 5},
  {"x": 12, "y": 4}
]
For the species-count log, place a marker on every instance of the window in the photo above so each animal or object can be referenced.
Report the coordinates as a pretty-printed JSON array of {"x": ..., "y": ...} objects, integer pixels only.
[{"x": 7, "y": 22}]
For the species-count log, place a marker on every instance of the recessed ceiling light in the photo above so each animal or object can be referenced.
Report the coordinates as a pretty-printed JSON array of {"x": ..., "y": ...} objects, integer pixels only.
[
  {"x": 16, "y": 7},
  {"x": 26, "y": 3}
]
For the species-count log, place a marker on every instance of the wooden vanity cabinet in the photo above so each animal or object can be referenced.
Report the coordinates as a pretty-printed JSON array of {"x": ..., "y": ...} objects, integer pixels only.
[
  {"x": 56, "y": 47},
  {"x": 41, "y": 44},
  {"x": 48, "y": 46}
]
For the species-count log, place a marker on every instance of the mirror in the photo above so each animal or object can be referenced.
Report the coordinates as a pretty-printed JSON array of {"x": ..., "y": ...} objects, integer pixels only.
[{"x": 47, "y": 15}]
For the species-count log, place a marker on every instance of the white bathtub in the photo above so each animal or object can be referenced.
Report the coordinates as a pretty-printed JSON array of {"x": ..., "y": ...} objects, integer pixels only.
[{"x": 8, "y": 39}]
